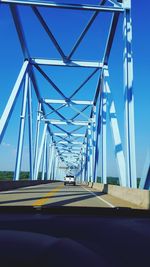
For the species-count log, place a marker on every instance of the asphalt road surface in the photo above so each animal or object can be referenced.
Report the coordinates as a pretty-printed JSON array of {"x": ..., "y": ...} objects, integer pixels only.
[{"x": 56, "y": 194}]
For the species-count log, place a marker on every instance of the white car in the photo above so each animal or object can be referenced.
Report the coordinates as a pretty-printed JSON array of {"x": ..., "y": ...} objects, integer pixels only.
[{"x": 70, "y": 179}]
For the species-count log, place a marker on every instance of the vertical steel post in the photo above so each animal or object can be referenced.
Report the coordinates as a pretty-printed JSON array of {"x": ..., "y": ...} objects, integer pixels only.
[
  {"x": 51, "y": 152},
  {"x": 30, "y": 130},
  {"x": 90, "y": 153},
  {"x": 98, "y": 132},
  {"x": 37, "y": 138},
  {"x": 44, "y": 158},
  {"x": 40, "y": 151},
  {"x": 81, "y": 167},
  {"x": 104, "y": 145},
  {"x": 86, "y": 160},
  {"x": 145, "y": 176},
  {"x": 55, "y": 166},
  {"x": 129, "y": 97},
  {"x": 47, "y": 150},
  {"x": 94, "y": 140},
  {"x": 21, "y": 129},
  {"x": 120, "y": 159},
  {"x": 83, "y": 164}
]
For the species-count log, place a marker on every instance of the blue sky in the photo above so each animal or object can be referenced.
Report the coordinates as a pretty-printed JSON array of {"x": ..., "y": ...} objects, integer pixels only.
[{"x": 67, "y": 26}]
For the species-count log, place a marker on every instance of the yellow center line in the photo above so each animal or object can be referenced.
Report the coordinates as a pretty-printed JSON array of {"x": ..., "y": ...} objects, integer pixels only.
[{"x": 45, "y": 198}]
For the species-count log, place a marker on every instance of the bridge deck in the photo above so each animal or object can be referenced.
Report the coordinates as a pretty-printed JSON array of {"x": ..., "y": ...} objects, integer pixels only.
[{"x": 56, "y": 194}]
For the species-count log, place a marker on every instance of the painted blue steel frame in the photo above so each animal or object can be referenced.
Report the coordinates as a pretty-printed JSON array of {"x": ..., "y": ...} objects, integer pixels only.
[{"x": 86, "y": 160}]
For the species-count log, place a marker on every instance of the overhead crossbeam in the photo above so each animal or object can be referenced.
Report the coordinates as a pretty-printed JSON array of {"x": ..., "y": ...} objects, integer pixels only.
[
  {"x": 63, "y": 134},
  {"x": 65, "y": 6},
  {"x": 72, "y": 147},
  {"x": 74, "y": 143},
  {"x": 61, "y": 122},
  {"x": 65, "y": 101},
  {"x": 69, "y": 63}
]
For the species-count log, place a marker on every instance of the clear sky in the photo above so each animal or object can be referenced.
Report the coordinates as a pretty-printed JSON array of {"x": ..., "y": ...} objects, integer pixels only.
[{"x": 67, "y": 26}]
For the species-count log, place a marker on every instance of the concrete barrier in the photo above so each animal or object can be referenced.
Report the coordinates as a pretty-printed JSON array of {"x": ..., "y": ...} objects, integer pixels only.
[
  {"x": 136, "y": 196},
  {"x": 8, "y": 185}
]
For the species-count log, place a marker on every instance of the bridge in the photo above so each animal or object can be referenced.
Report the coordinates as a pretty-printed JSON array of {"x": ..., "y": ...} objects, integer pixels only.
[{"x": 68, "y": 132}]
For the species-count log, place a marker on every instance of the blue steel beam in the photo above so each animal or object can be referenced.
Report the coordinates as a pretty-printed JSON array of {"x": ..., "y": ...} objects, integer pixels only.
[
  {"x": 50, "y": 81},
  {"x": 99, "y": 124},
  {"x": 37, "y": 132},
  {"x": 50, "y": 158},
  {"x": 40, "y": 151},
  {"x": 55, "y": 111},
  {"x": 44, "y": 158},
  {"x": 104, "y": 144},
  {"x": 12, "y": 100},
  {"x": 85, "y": 81},
  {"x": 48, "y": 31},
  {"x": 69, "y": 63},
  {"x": 145, "y": 177},
  {"x": 129, "y": 100},
  {"x": 82, "y": 110},
  {"x": 21, "y": 129},
  {"x": 119, "y": 155},
  {"x": 64, "y": 6},
  {"x": 94, "y": 138},
  {"x": 111, "y": 35},
  {"x": 30, "y": 122},
  {"x": 79, "y": 40},
  {"x": 20, "y": 32},
  {"x": 62, "y": 106}
]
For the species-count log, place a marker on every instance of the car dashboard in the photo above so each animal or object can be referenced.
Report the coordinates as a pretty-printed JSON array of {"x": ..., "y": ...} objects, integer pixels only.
[{"x": 74, "y": 236}]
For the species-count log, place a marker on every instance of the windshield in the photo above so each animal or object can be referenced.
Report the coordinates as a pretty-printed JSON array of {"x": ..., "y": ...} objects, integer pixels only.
[{"x": 67, "y": 104}]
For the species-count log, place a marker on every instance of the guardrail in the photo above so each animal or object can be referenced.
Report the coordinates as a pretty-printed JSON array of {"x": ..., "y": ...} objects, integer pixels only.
[{"x": 139, "y": 197}]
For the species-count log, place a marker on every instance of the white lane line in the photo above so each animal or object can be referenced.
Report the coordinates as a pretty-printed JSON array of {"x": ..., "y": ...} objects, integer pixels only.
[{"x": 106, "y": 202}]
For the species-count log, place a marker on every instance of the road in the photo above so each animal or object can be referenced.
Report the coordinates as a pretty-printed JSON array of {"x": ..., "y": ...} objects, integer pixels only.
[{"x": 56, "y": 194}]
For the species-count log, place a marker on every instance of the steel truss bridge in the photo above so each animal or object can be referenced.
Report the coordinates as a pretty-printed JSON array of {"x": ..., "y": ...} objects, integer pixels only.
[{"x": 77, "y": 149}]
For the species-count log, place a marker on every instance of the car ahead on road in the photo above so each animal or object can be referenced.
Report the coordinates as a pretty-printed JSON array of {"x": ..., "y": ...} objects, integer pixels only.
[{"x": 70, "y": 179}]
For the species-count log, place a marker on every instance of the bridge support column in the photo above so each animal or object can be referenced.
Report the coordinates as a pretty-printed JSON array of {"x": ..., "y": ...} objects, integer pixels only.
[
  {"x": 30, "y": 130},
  {"x": 55, "y": 167},
  {"x": 99, "y": 123},
  {"x": 51, "y": 153},
  {"x": 40, "y": 151},
  {"x": 129, "y": 99},
  {"x": 83, "y": 164},
  {"x": 86, "y": 160},
  {"x": 90, "y": 174},
  {"x": 37, "y": 138},
  {"x": 21, "y": 129},
  {"x": 104, "y": 145},
  {"x": 94, "y": 141},
  {"x": 44, "y": 158},
  {"x": 120, "y": 159}
]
